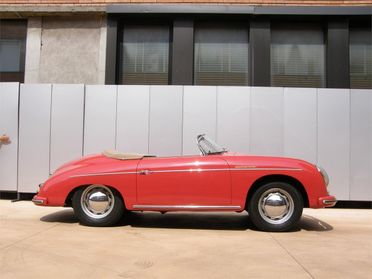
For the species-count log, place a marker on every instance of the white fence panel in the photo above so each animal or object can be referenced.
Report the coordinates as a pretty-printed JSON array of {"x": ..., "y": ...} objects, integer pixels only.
[
  {"x": 334, "y": 138},
  {"x": 166, "y": 120},
  {"x": 133, "y": 118},
  {"x": 233, "y": 117},
  {"x": 100, "y": 118},
  {"x": 9, "y": 126},
  {"x": 361, "y": 145},
  {"x": 266, "y": 129},
  {"x": 330, "y": 127},
  {"x": 199, "y": 115},
  {"x": 67, "y": 124},
  {"x": 34, "y": 136},
  {"x": 300, "y": 123}
]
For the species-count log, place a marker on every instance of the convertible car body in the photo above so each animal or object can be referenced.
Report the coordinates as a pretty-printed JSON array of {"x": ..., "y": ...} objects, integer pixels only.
[{"x": 273, "y": 190}]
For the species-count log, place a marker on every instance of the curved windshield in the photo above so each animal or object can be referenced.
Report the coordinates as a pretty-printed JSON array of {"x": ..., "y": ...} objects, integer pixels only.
[{"x": 208, "y": 146}]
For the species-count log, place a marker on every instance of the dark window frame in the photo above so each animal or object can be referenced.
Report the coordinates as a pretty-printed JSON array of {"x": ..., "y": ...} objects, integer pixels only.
[
  {"x": 259, "y": 43},
  {"x": 135, "y": 21},
  {"x": 231, "y": 22},
  {"x": 306, "y": 24},
  {"x": 21, "y": 25},
  {"x": 359, "y": 23}
]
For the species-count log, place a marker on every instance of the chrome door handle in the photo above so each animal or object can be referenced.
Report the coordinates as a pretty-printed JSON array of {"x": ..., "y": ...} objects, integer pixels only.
[{"x": 144, "y": 172}]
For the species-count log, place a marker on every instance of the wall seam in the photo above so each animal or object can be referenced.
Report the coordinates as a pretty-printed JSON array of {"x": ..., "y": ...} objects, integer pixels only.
[
  {"x": 182, "y": 119},
  {"x": 349, "y": 92},
  {"x": 317, "y": 126},
  {"x": 149, "y": 120},
  {"x": 18, "y": 123},
  {"x": 216, "y": 125},
  {"x": 116, "y": 115},
  {"x": 51, "y": 87}
]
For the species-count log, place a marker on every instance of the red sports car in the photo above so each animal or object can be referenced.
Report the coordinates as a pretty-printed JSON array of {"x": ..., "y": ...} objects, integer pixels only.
[{"x": 273, "y": 190}]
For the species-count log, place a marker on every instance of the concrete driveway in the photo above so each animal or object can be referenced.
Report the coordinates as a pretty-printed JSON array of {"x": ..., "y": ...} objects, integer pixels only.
[{"x": 37, "y": 242}]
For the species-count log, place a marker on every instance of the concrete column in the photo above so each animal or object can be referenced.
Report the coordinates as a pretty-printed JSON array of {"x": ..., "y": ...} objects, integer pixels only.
[
  {"x": 33, "y": 50},
  {"x": 102, "y": 51}
]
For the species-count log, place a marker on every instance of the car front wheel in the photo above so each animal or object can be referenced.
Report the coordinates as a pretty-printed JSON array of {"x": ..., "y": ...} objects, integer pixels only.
[
  {"x": 276, "y": 206},
  {"x": 97, "y": 205}
]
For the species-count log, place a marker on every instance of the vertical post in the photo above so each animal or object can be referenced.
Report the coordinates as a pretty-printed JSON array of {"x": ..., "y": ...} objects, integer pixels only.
[
  {"x": 338, "y": 69},
  {"x": 260, "y": 39},
  {"x": 111, "y": 49},
  {"x": 182, "y": 52}
]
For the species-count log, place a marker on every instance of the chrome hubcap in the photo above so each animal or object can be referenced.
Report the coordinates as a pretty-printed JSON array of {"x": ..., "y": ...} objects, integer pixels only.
[
  {"x": 97, "y": 201},
  {"x": 276, "y": 206}
]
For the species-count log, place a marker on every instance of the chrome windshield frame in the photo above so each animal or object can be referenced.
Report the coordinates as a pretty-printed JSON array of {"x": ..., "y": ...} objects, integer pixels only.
[{"x": 214, "y": 148}]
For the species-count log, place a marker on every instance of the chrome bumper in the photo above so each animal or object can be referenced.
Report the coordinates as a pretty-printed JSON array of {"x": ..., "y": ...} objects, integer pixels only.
[
  {"x": 329, "y": 203},
  {"x": 38, "y": 200}
]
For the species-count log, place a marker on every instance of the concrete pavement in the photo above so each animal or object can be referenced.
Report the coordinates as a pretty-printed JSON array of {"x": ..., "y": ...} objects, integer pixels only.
[{"x": 37, "y": 242}]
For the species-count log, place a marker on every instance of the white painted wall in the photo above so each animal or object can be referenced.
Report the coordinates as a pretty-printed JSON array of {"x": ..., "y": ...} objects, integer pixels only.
[
  {"x": 34, "y": 136},
  {"x": 330, "y": 127},
  {"x": 9, "y": 93},
  {"x": 67, "y": 124},
  {"x": 100, "y": 118}
]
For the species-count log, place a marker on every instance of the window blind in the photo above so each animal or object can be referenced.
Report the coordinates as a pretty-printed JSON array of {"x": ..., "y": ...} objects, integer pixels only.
[
  {"x": 144, "y": 55},
  {"x": 10, "y": 52},
  {"x": 12, "y": 49},
  {"x": 360, "y": 58},
  {"x": 221, "y": 55},
  {"x": 297, "y": 56}
]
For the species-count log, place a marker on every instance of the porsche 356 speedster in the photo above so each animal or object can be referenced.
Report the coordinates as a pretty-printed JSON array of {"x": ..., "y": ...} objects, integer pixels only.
[{"x": 274, "y": 190}]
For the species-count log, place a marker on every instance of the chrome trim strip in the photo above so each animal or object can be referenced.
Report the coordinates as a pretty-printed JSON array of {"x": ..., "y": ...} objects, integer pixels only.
[
  {"x": 37, "y": 201},
  {"x": 104, "y": 173},
  {"x": 329, "y": 203},
  {"x": 187, "y": 170},
  {"x": 164, "y": 207}
]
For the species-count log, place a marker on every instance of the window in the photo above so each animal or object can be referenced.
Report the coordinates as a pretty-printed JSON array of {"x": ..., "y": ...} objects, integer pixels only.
[
  {"x": 12, "y": 50},
  {"x": 360, "y": 57},
  {"x": 221, "y": 55},
  {"x": 297, "y": 55},
  {"x": 144, "y": 55}
]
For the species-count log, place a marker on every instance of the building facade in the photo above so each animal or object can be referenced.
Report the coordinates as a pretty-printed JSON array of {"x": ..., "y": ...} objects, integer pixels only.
[
  {"x": 320, "y": 44},
  {"x": 283, "y": 78}
]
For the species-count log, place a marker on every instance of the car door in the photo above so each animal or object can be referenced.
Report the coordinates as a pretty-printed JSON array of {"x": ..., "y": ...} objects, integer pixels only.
[{"x": 192, "y": 180}]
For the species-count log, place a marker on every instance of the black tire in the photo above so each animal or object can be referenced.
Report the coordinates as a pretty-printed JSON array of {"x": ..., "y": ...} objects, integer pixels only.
[
  {"x": 98, "y": 206},
  {"x": 275, "y": 206}
]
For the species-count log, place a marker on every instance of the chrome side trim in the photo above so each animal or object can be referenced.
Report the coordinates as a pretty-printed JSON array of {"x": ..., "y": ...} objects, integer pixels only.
[
  {"x": 225, "y": 169},
  {"x": 104, "y": 173},
  {"x": 180, "y": 207},
  {"x": 187, "y": 170}
]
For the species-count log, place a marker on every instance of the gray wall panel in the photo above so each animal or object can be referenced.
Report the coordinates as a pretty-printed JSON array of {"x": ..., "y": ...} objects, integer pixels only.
[
  {"x": 233, "y": 118},
  {"x": 266, "y": 129},
  {"x": 34, "y": 136},
  {"x": 67, "y": 128},
  {"x": 361, "y": 145},
  {"x": 9, "y": 126},
  {"x": 166, "y": 120},
  {"x": 300, "y": 123},
  {"x": 133, "y": 118},
  {"x": 330, "y": 127},
  {"x": 334, "y": 138},
  {"x": 199, "y": 115},
  {"x": 100, "y": 118}
]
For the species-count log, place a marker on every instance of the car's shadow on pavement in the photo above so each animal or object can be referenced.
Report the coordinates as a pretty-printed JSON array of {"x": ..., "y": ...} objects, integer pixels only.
[{"x": 184, "y": 220}]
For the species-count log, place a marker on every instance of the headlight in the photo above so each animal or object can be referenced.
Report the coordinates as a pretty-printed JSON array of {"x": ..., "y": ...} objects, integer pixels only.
[{"x": 324, "y": 175}]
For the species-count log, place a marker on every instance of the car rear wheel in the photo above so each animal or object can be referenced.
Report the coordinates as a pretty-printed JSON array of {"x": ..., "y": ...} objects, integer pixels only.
[
  {"x": 98, "y": 205},
  {"x": 276, "y": 206}
]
